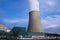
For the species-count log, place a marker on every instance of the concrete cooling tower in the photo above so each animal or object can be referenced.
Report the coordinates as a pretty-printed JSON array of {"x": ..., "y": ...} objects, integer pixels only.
[
  {"x": 4, "y": 28},
  {"x": 34, "y": 17}
]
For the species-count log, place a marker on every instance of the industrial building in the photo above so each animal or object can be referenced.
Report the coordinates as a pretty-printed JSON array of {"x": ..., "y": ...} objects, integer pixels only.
[
  {"x": 20, "y": 32},
  {"x": 4, "y": 28}
]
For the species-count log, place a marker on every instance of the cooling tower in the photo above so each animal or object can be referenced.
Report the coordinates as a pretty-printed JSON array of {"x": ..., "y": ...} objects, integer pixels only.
[
  {"x": 4, "y": 28},
  {"x": 34, "y": 17}
]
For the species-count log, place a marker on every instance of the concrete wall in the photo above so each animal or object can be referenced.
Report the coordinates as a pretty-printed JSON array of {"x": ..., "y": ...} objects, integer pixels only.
[{"x": 34, "y": 22}]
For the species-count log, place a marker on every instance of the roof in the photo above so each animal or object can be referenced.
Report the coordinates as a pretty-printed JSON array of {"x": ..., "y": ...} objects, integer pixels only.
[
  {"x": 19, "y": 29},
  {"x": 32, "y": 33}
]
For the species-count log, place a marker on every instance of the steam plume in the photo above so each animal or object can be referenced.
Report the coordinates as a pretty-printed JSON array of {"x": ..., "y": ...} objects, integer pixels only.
[{"x": 34, "y": 5}]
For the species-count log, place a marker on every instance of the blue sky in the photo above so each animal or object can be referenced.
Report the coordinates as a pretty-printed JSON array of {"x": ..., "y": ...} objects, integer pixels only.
[{"x": 15, "y": 13}]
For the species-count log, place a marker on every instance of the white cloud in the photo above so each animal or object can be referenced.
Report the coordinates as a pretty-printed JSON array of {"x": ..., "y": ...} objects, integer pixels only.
[
  {"x": 51, "y": 22},
  {"x": 50, "y": 3},
  {"x": 34, "y": 5},
  {"x": 49, "y": 6},
  {"x": 15, "y": 20}
]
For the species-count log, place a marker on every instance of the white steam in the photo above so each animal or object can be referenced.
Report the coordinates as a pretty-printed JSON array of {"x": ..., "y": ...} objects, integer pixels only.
[{"x": 34, "y": 5}]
